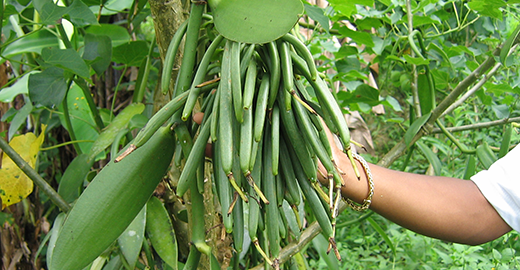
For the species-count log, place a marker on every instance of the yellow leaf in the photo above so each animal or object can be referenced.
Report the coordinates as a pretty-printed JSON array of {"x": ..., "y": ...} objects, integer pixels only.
[{"x": 14, "y": 184}]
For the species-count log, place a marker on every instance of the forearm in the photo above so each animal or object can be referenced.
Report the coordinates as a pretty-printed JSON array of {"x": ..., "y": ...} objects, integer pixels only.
[{"x": 441, "y": 207}]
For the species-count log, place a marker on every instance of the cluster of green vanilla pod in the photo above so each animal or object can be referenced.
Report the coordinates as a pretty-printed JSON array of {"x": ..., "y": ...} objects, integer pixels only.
[{"x": 267, "y": 138}]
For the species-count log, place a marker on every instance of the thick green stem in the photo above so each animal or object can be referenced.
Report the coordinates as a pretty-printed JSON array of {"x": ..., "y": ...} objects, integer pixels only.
[
  {"x": 461, "y": 146},
  {"x": 64, "y": 36},
  {"x": 34, "y": 176}
]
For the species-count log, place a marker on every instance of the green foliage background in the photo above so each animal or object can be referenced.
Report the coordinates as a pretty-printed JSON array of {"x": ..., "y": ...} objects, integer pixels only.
[{"x": 76, "y": 65}]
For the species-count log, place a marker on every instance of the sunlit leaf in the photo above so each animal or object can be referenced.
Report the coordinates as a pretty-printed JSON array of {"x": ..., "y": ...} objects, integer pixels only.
[
  {"x": 255, "y": 21},
  {"x": 106, "y": 138},
  {"x": 81, "y": 118},
  {"x": 14, "y": 184},
  {"x": 490, "y": 8},
  {"x": 19, "y": 87},
  {"x": 316, "y": 13}
]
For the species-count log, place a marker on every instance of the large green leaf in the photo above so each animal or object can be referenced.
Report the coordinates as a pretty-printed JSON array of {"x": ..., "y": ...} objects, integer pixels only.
[
  {"x": 81, "y": 118},
  {"x": 255, "y": 21},
  {"x": 67, "y": 59},
  {"x": 48, "y": 88}
]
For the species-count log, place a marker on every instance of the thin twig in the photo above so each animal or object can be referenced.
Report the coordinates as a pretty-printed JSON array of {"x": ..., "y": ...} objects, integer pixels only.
[
  {"x": 473, "y": 89},
  {"x": 34, "y": 176},
  {"x": 479, "y": 125}
]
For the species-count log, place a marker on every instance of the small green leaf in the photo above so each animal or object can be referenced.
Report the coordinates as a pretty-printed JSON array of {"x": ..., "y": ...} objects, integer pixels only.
[
  {"x": 357, "y": 37},
  {"x": 316, "y": 13},
  {"x": 50, "y": 13},
  {"x": 131, "y": 53},
  {"x": 431, "y": 157},
  {"x": 160, "y": 232},
  {"x": 363, "y": 93},
  {"x": 98, "y": 52},
  {"x": 131, "y": 240},
  {"x": 383, "y": 234},
  {"x": 414, "y": 128},
  {"x": 48, "y": 88},
  {"x": 19, "y": 119},
  {"x": 471, "y": 164},
  {"x": 67, "y": 59},
  {"x": 106, "y": 138},
  {"x": 416, "y": 60},
  {"x": 80, "y": 15}
]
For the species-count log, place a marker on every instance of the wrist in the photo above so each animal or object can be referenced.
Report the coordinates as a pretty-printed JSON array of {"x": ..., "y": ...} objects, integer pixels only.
[{"x": 358, "y": 192}]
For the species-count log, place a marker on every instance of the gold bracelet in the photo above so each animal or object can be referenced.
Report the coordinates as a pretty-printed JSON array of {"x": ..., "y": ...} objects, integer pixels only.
[{"x": 366, "y": 202}]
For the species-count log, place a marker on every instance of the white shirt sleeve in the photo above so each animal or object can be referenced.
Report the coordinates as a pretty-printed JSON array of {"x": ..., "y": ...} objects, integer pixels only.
[{"x": 500, "y": 184}]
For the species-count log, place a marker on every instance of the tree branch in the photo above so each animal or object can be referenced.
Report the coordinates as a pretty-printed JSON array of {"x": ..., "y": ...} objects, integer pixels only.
[
  {"x": 479, "y": 125},
  {"x": 400, "y": 148}
]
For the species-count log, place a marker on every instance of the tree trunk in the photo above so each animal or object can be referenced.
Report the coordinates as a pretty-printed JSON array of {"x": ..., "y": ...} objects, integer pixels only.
[{"x": 168, "y": 16}]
